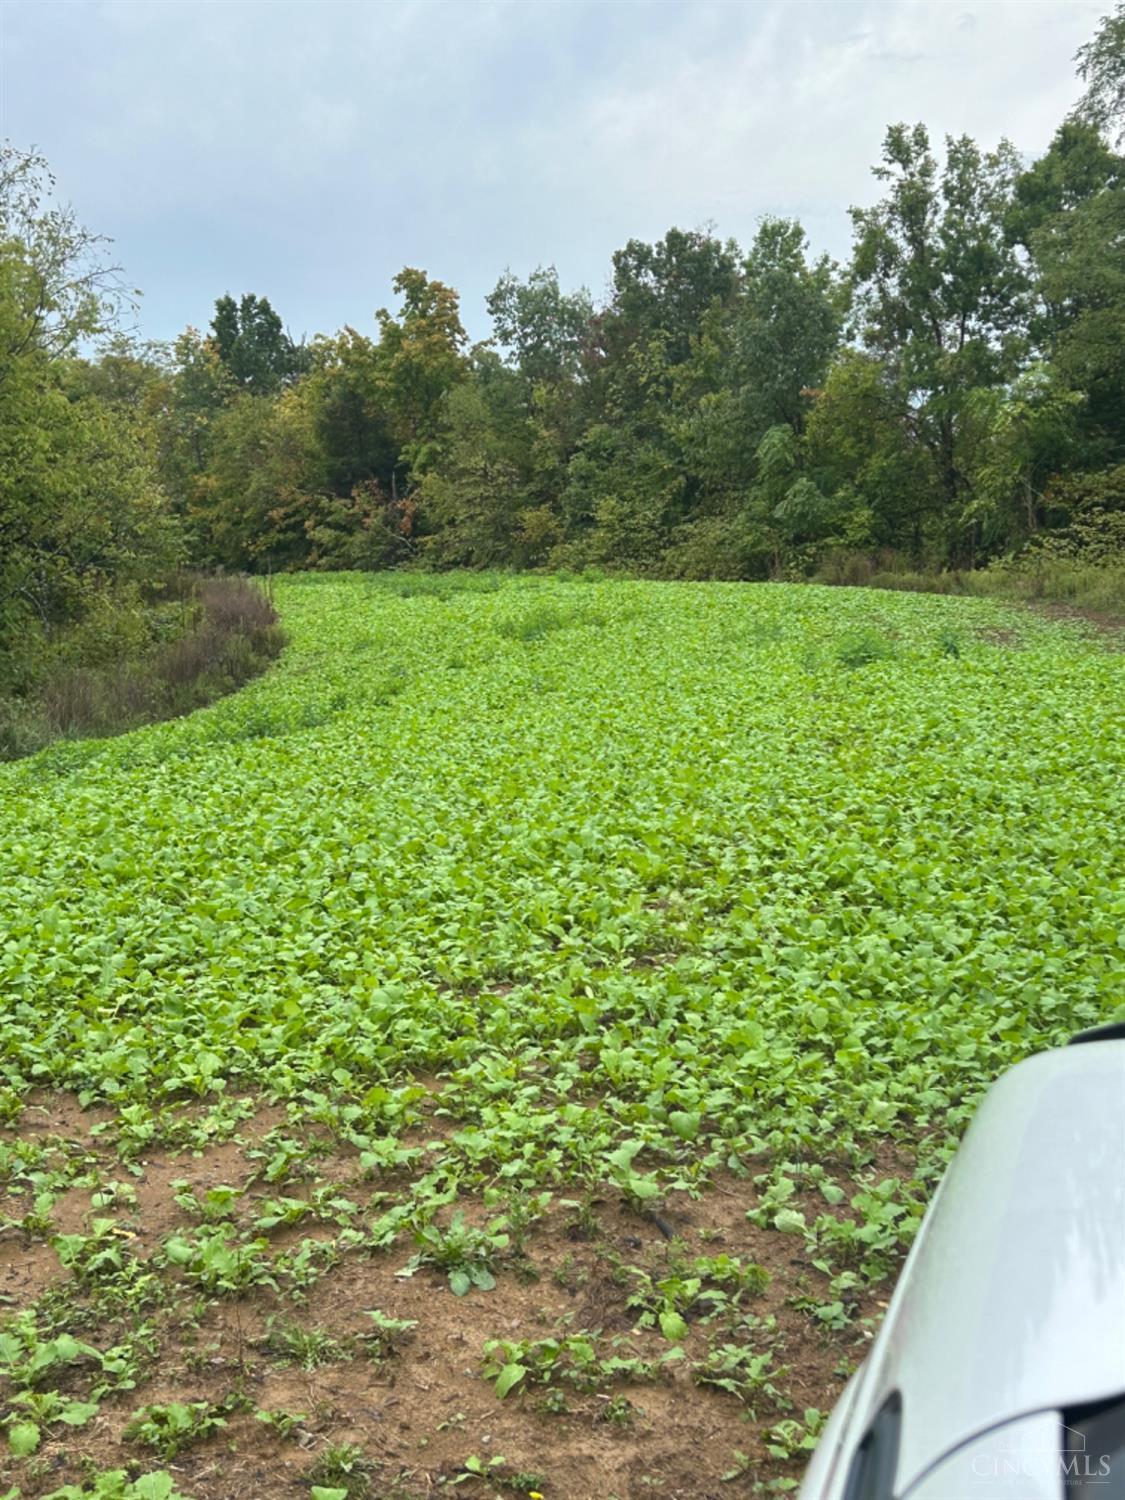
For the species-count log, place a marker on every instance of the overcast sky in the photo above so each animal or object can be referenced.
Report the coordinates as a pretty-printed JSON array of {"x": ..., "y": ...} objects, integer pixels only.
[{"x": 307, "y": 151}]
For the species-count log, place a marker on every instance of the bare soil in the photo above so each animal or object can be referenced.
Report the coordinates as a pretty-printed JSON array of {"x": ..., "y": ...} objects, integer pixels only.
[{"x": 421, "y": 1412}]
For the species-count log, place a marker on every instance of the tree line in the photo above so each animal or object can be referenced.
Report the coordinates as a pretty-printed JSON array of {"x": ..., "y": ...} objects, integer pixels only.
[{"x": 953, "y": 394}]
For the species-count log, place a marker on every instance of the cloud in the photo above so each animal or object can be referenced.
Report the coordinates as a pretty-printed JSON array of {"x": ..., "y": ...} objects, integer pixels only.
[{"x": 308, "y": 150}]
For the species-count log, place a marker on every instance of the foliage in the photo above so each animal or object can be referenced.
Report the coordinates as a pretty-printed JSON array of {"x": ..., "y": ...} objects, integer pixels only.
[
  {"x": 173, "y": 1427},
  {"x": 838, "y": 859},
  {"x": 180, "y": 654},
  {"x": 720, "y": 412},
  {"x": 252, "y": 345},
  {"x": 1101, "y": 66}
]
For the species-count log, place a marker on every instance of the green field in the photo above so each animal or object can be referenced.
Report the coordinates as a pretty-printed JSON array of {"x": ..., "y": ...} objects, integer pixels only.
[{"x": 708, "y": 910}]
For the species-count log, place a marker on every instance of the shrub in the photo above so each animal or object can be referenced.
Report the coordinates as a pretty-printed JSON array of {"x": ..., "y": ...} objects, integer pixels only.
[
  {"x": 232, "y": 633},
  {"x": 236, "y": 606}
]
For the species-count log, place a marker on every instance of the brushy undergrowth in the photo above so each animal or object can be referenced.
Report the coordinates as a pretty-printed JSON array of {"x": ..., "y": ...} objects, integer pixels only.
[
  {"x": 229, "y": 634},
  {"x": 1039, "y": 578}
]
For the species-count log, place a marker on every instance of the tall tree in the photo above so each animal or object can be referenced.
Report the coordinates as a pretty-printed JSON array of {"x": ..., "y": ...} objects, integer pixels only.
[
  {"x": 253, "y": 345},
  {"x": 941, "y": 296},
  {"x": 1101, "y": 67},
  {"x": 81, "y": 513},
  {"x": 661, "y": 292},
  {"x": 544, "y": 329},
  {"x": 63, "y": 288},
  {"x": 421, "y": 356},
  {"x": 1082, "y": 280},
  {"x": 787, "y": 325}
]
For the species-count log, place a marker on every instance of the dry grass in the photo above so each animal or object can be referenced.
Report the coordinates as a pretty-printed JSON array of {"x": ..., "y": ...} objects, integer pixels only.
[{"x": 233, "y": 634}]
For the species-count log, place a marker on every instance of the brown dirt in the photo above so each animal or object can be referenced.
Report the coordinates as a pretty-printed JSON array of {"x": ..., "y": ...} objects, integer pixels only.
[
  {"x": 998, "y": 635},
  {"x": 421, "y": 1413},
  {"x": 1110, "y": 627}
]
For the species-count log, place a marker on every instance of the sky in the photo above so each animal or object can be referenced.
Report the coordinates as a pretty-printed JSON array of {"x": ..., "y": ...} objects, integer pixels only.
[{"x": 307, "y": 151}]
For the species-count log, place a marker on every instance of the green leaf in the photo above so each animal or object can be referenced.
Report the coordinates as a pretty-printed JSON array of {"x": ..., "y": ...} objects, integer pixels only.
[
  {"x": 509, "y": 1376},
  {"x": 328, "y": 1492},
  {"x": 78, "y": 1413},
  {"x": 155, "y": 1486},
  {"x": 23, "y": 1438},
  {"x": 459, "y": 1282},
  {"x": 789, "y": 1221},
  {"x": 672, "y": 1326},
  {"x": 685, "y": 1124}
]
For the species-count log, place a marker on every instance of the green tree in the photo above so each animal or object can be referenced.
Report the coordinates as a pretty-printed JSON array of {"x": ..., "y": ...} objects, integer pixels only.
[
  {"x": 473, "y": 499},
  {"x": 346, "y": 393},
  {"x": 421, "y": 357},
  {"x": 759, "y": 360},
  {"x": 252, "y": 344},
  {"x": 260, "y": 492},
  {"x": 941, "y": 295},
  {"x": 544, "y": 329},
  {"x": 61, "y": 286},
  {"x": 664, "y": 290},
  {"x": 787, "y": 325},
  {"x": 1076, "y": 166},
  {"x": 1101, "y": 67},
  {"x": 861, "y": 449},
  {"x": 1081, "y": 277},
  {"x": 82, "y": 518}
]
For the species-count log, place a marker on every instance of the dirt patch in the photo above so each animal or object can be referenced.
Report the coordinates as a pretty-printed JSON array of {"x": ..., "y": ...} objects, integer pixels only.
[
  {"x": 646, "y": 1420},
  {"x": 1110, "y": 628},
  {"x": 998, "y": 635}
]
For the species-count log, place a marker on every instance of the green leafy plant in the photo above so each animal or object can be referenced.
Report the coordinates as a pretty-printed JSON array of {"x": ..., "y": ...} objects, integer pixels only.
[
  {"x": 342, "y": 1468},
  {"x": 790, "y": 1438},
  {"x": 171, "y": 1428},
  {"x": 283, "y": 1423},
  {"x": 740, "y": 1372},
  {"x": 465, "y": 1253},
  {"x": 219, "y": 1262}
]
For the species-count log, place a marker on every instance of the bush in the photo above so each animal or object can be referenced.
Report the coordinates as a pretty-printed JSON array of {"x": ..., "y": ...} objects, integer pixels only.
[
  {"x": 24, "y": 728},
  {"x": 236, "y": 606},
  {"x": 1050, "y": 571},
  {"x": 717, "y": 547},
  {"x": 232, "y": 633}
]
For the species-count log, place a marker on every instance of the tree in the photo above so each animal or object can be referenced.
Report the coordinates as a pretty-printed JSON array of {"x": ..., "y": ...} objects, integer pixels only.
[
  {"x": 544, "y": 329},
  {"x": 252, "y": 506},
  {"x": 1101, "y": 67},
  {"x": 472, "y": 501},
  {"x": 1076, "y": 166},
  {"x": 60, "y": 287},
  {"x": 83, "y": 521},
  {"x": 1027, "y": 434},
  {"x": 1082, "y": 279},
  {"x": 346, "y": 394},
  {"x": 253, "y": 346},
  {"x": 421, "y": 356},
  {"x": 786, "y": 325},
  {"x": 941, "y": 295},
  {"x": 760, "y": 359},
  {"x": 666, "y": 288},
  {"x": 861, "y": 449}
]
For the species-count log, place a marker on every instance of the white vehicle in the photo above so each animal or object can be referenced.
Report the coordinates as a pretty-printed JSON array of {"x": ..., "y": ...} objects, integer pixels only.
[{"x": 1000, "y": 1366}]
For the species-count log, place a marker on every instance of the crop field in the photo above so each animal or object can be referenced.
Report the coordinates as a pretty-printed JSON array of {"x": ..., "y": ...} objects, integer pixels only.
[{"x": 507, "y": 1048}]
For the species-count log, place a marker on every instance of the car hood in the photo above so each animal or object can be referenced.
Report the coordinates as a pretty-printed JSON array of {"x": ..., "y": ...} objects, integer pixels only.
[{"x": 1013, "y": 1298}]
